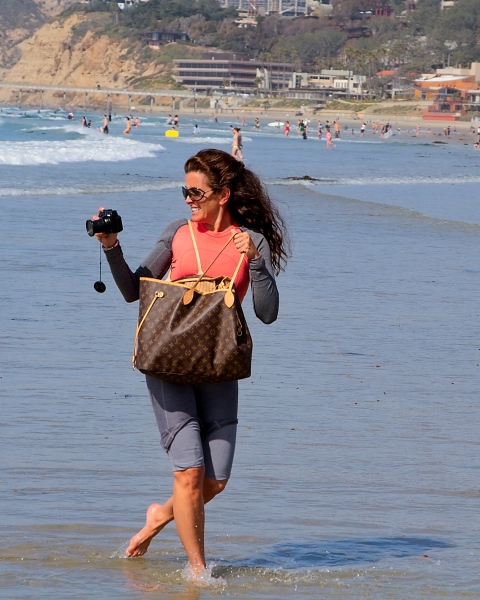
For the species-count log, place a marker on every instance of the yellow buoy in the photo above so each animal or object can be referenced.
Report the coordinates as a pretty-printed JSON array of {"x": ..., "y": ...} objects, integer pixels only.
[{"x": 171, "y": 133}]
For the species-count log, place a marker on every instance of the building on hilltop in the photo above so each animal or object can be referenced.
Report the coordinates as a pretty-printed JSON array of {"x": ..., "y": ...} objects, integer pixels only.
[
  {"x": 129, "y": 3},
  {"x": 286, "y": 8},
  {"x": 156, "y": 39}
]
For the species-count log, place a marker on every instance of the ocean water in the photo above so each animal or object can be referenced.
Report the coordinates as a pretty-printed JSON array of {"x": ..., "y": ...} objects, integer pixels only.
[{"x": 357, "y": 472}]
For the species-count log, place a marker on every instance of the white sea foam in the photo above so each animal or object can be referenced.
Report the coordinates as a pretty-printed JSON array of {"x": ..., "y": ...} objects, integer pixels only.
[
  {"x": 108, "y": 187},
  {"x": 200, "y": 139},
  {"x": 98, "y": 148},
  {"x": 367, "y": 180},
  {"x": 66, "y": 126},
  {"x": 207, "y": 139},
  {"x": 203, "y": 579}
]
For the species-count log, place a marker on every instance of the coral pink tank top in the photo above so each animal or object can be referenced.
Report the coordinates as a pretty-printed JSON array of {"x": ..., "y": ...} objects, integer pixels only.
[{"x": 209, "y": 243}]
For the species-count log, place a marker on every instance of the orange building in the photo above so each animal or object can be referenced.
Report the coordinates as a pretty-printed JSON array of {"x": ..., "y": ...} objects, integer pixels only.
[
  {"x": 428, "y": 88},
  {"x": 451, "y": 95}
]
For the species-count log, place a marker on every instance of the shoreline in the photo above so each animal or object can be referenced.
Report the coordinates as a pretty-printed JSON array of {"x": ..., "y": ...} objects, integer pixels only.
[{"x": 460, "y": 131}]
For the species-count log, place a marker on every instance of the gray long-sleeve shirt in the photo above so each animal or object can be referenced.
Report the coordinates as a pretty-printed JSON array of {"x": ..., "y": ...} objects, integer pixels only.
[{"x": 157, "y": 263}]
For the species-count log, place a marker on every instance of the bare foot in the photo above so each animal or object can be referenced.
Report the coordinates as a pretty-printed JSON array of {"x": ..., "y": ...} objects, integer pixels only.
[{"x": 156, "y": 521}]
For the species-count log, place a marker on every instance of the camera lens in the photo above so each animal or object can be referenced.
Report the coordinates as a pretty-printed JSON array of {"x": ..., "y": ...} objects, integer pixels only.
[
  {"x": 89, "y": 226},
  {"x": 93, "y": 227}
]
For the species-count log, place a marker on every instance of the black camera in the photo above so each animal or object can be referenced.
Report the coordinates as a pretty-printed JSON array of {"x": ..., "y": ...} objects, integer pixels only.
[{"x": 109, "y": 221}]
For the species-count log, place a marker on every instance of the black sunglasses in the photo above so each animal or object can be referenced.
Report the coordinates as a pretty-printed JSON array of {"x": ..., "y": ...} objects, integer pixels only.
[{"x": 196, "y": 194}]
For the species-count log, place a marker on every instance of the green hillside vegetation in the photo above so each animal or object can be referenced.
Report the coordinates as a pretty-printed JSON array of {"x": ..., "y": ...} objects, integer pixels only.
[
  {"x": 21, "y": 15},
  {"x": 421, "y": 40},
  {"x": 417, "y": 41}
]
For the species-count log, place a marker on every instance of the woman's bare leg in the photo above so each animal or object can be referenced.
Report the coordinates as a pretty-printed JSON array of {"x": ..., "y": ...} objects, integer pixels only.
[
  {"x": 158, "y": 515},
  {"x": 188, "y": 508}
]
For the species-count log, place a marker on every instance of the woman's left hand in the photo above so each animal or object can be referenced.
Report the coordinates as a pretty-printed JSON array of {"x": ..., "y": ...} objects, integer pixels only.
[{"x": 244, "y": 244}]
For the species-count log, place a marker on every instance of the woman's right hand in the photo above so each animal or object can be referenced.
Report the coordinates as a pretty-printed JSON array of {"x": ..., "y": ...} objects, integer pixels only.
[{"x": 106, "y": 239}]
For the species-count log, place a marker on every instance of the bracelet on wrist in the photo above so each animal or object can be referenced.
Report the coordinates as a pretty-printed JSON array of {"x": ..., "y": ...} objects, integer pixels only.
[{"x": 117, "y": 243}]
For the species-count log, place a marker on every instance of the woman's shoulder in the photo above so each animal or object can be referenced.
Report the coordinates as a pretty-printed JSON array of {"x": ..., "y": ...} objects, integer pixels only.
[{"x": 171, "y": 229}]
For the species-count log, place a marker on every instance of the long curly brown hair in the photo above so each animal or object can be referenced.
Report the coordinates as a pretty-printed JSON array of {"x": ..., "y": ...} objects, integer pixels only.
[{"x": 249, "y": 203}]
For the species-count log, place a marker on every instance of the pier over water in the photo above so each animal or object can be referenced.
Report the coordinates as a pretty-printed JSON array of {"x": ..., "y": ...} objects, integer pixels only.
[{"x": 177, "y": 96}]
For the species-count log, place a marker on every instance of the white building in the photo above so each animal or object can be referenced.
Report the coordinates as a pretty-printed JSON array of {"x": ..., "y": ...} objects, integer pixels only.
[
  {"x": 286, "y": 8},
  {"x": 129, "y": 3},
  {"x": 337, "y": 82}
]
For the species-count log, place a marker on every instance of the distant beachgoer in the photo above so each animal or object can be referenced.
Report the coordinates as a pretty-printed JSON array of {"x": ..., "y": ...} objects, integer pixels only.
[
  {"x": 319, "y": 130},
  {"x": 330, "y": 144},
  {"x": 305, "y": 130},
  {"x": 84, "y": 122},
  {"x": 126, "y": 131},
  {"x": 287, "y": 128},
  {"x": 89, "y": 124},
  {"x": 336, "y": 129},
  {"x": 257, "y": 123},
  {"x": 302, "y": 129},
  {"x": 176, "y": 122},
  {"x": 362, "y": 129},
  {"x": 417, "y": 130},
  {"x": 105, "y": 124},
  {"x": 136, "y": 122},
  {"x": 196, "y": 129},
  {"x": 169, "y": 120},
  {"x": 237, "y": 143}
]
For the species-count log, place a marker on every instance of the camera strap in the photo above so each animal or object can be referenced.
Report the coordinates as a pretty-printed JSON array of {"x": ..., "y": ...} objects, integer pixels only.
[{"x": 99, "y": 286}]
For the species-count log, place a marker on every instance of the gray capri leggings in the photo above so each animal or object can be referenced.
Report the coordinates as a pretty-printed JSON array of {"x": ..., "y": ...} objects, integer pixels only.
[{"x": 197, "y": 423}]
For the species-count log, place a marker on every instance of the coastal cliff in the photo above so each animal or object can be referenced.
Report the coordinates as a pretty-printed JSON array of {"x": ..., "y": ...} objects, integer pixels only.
[{"x": 67, "y": 52}]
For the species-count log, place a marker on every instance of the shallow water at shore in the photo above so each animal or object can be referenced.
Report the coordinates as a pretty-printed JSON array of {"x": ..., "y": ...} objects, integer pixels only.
[{"x": 356, "y": 473}]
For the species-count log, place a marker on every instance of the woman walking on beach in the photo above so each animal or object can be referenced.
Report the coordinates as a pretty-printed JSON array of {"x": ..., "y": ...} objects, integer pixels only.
[
  {"x": 328, "y": 137},
  {"x": 198, "y": 422}
]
